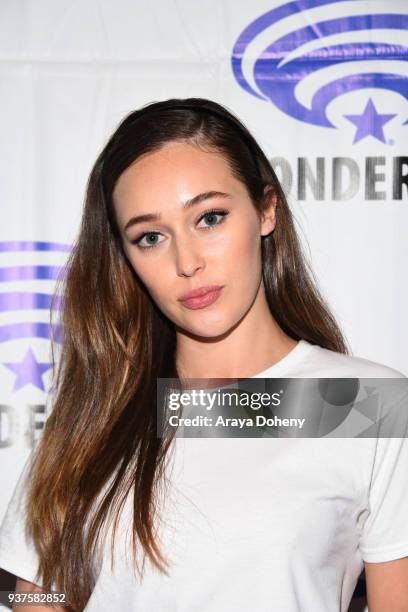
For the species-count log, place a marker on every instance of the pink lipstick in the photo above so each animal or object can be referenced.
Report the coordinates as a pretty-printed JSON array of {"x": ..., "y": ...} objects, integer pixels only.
[{"x": 201, "y": 297}]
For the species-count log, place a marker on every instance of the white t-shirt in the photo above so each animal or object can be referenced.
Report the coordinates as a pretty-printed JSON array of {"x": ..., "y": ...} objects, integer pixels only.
[{"x": 278, "y": 524}]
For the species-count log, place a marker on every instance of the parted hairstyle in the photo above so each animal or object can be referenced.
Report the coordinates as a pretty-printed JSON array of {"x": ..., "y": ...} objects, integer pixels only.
[{"x": 100, "y": 434}]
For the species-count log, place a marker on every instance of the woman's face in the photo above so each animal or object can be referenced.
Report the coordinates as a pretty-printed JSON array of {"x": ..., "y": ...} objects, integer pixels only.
[{"x": 186, "y": 247}]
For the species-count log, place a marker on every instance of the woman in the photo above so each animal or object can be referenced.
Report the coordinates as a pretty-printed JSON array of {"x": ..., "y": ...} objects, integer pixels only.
[{"x": 182, "y": 198}]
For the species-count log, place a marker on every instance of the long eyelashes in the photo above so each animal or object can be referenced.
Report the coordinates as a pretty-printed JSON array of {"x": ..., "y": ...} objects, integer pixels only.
[{"x": 222, "y": 213}]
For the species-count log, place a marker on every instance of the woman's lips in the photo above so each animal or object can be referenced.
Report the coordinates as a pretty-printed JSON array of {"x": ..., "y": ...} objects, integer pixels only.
[{"x": 203, "y": 300}]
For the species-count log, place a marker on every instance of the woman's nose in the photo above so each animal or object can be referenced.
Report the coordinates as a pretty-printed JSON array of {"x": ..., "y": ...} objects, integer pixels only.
[{"x": 188, "y": 256}]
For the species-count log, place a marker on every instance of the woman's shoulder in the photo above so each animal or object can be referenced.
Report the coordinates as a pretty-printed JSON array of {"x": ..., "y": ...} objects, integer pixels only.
[{"x": 322, "y": 362}]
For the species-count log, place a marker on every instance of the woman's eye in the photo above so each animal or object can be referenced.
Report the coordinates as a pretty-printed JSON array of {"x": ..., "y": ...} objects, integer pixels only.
[
  {"x": 150, "y": 244},
  {"x": 210, "y": 215}
]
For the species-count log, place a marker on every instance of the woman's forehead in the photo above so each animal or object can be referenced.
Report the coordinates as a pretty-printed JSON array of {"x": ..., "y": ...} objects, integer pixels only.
[{"x": 175, "y": 173}]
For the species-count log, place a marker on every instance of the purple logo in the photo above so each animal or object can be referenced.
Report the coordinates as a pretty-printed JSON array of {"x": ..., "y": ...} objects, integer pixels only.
[
  {"x": 333, "y": 54},
  {"x": 25, "y": 300}
]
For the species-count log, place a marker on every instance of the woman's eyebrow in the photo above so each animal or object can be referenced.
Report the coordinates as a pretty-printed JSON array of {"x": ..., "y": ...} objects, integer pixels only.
[{"x": 197, "y": 199}]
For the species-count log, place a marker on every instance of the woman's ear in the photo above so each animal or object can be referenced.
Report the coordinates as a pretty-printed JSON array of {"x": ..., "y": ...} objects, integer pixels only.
[{"x": 269, "y": 211}]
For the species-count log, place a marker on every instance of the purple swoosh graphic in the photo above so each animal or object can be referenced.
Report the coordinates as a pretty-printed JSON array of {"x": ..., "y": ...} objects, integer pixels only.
[
  {"x": 31, "y": 300},
  {"x": 29, "y": 329},
  {"x": 29, "y": 245},
  {"x": 28, "y": 301},
  {"x": 259, "y": 25},
  {"x": 278, "y": 83},
  {"x": 16, "y": 273}
]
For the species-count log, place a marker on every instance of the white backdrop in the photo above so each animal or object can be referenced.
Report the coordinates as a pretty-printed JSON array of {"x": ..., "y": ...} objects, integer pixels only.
[{"x": 333, "y": 88}]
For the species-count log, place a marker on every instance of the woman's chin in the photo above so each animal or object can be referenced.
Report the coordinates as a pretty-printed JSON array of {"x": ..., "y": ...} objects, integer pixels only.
[{"x": 207, "y": 327}]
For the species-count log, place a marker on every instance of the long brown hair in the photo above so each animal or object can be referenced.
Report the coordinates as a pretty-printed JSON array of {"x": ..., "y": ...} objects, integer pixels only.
[{"x": 101, "y": 430}]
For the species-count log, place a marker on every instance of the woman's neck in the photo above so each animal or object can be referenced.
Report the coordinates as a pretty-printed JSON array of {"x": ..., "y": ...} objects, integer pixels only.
[{"x": 255, "y": 343}]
